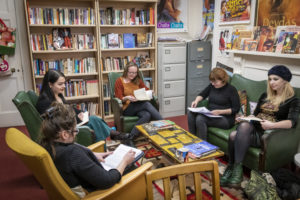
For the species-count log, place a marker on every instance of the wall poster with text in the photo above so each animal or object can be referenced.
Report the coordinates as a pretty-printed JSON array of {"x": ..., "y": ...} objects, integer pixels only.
[
  {"x": 278, "y": 13},
  {"x": 235, "y": 11},
  {"x": 172, "y": 16}
]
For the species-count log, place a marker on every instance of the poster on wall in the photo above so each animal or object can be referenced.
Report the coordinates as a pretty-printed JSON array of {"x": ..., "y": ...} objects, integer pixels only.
[
  {"x": 208, "y": 13},
  {"x": 172, "y": 16},
  {"x": 235, "y": 11},
  {"x": 225, "y": 36},
  {"x": 278, "y": 13}
]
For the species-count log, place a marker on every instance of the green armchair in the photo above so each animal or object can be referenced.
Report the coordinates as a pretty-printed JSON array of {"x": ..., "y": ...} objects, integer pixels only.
[
  {"x": 123, "y": 123},
  {"x": 25, "y": 103},
  {"x": 278, "y": 146}
]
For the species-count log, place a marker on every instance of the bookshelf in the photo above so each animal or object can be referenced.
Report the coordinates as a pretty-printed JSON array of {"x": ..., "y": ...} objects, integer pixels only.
[
  {"x": 76, "y": 22},
  {"x": 117, "y": 19}
]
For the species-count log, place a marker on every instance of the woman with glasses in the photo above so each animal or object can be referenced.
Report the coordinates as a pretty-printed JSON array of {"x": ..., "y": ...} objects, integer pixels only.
[
  {"x": 223, "y": 102},
  {"x": 124, "y": 87},
  {"x": 53, "y": 88},
  {"x": 78, "y": 166}
]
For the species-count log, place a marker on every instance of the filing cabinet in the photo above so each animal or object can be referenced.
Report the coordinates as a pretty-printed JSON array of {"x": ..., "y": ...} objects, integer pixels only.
[
  {"x": 171, "y": 78},
  {"x": 198, "y": 68}
]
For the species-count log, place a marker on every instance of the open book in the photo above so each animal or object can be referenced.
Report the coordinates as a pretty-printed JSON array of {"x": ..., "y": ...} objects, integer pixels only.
[
  {"x": 204, "y": 111},
  {"x": 143, "y": 94},
  {"x": 249, "y": 118},
  {"x": 113, "y": 161},
  {"x": 85, "y": 119}
]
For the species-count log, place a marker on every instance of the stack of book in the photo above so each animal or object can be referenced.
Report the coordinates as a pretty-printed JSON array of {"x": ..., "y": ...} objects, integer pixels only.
[{"x": 200, "y": 149}]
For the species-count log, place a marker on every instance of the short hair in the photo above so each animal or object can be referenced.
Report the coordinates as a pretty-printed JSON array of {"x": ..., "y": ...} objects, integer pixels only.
[{"x": 218, "y": 74}]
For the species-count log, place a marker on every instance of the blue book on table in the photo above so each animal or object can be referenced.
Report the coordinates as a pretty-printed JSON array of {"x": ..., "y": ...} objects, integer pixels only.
[
  {"x": 129, "y": 40},
  {"x": 202, "y": 148}
]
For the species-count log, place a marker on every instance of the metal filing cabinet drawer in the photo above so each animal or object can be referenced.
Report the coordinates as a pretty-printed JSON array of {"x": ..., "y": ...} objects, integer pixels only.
[
  {"x": 174, "y": 88},
  {"x": 173, "y": 106},
  {"x": 174, "y": 54},
  {"x": 199, "y": 50},
  {"x": 174, "y": 71}
]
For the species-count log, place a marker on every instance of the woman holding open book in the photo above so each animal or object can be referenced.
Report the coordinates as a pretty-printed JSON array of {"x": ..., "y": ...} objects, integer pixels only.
[
  {"x": 53, "y": 88},
  {"x": 78, "y": 165},
  {"x": 223, "y": 103},
  {"x": 124, "y": 90},
  {"x": 277, "y": 108}
]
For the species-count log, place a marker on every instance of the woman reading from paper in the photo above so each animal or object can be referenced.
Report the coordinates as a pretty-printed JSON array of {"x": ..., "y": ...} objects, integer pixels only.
[
  {"x": 277, "y": 108},
  {"x": 124, "y": 90},
  {"x": 53, "y": 88},
  {"x": 78, "y": 166},
  {"x": 223, "y": 102}
]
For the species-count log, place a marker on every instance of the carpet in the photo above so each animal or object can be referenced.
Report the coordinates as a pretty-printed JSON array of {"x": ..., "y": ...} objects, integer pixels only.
[{"x": 152, "y": 154}]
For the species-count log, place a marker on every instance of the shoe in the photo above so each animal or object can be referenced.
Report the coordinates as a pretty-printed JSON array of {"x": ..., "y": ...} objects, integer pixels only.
[
  {"x": 116, "y": 135},
  {"x": 236, "y": 176},
  {"x": 226, "y": 175}
]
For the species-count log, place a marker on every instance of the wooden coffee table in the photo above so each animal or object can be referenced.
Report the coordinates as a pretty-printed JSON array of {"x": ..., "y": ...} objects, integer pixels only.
[{"x": 170, "y": 139}]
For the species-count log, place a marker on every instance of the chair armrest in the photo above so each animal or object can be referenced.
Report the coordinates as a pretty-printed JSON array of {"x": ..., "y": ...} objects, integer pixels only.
[
  {"x": 117, "y": 108},
  {"x": 203, "y": 103},
  {"x": 127, "y": 186},
  {"x": 97, "y": 147},
  {"x": 279, "y": 146}
]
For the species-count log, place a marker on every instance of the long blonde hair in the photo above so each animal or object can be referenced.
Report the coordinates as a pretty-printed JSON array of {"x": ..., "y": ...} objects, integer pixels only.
[{"x": 287, "y": 93}]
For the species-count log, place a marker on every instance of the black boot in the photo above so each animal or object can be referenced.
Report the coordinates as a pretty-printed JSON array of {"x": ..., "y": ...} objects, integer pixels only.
[{"x": 116, "y": 135}]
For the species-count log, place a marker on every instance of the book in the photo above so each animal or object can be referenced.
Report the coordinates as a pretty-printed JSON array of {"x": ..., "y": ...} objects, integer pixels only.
[
  {"x": 200, "y": 149},
  {"x": 249, "y": 118},
  {"x": 128, "y": 40},
  {"x": 141, "y": 40},
  {"x": 142, "y": 94},
  {"x": 162, "y": 124},
  {"x": 85, "y": 119},
  {"x": 204, "y": 111},
  {"x": 113, "y": 161},
  {"x": 113, "y": 40}
]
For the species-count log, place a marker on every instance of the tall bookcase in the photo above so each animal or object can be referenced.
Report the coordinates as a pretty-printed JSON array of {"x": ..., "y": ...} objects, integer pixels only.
[
  {"x": 124, "y": 22},
  {"x": 82, "y": 64}
]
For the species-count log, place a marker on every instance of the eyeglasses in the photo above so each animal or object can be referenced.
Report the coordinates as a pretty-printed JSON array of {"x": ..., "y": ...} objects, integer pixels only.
[
  {"x": 76, "y": 131},
  {"x": 132, "y": 72}
]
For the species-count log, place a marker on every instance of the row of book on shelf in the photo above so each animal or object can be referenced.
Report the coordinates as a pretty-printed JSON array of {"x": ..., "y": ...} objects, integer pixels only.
[
  {"x": 78, "y": 87},
  {"x": 126, "y": 40},
  {"x": 142, "y": 60},
  {"x": 91, "y": 107},
  {"x": 282, "y": 39},
  {"x": 133, "y": 16},
  {"x": 61, "y": 38},
  {"x": 67, "y": 66},
  {"x": 107, "y": 108},
  {"x": 61, "y": 16}
]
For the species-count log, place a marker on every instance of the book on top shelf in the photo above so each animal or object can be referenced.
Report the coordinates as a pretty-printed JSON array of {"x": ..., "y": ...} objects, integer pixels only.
[{"x": 200, "y": 149}]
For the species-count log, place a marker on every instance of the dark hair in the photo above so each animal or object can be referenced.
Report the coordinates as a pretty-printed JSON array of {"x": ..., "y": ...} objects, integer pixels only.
[
  {"x": 56, "y": 118},
  {"x": 161, "y": 5},
  {"x": 137, "y": 79},
  {"x": 218, "y": 74},
  {"x": 50, "y": 77}
]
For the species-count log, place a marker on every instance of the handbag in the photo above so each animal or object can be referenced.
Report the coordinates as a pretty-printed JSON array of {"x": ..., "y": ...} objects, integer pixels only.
[
  {"x": 258, "y": 188},
  {"x": 7, "y": 39}
]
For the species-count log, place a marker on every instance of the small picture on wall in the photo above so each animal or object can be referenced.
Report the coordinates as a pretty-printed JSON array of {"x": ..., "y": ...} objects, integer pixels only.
[
  {"x": 278, "y": 13},
  {"x": 228, "y": 69},
  {"x": 235, "y": 11},
  {"x": 225, "y": 39},
  {"x": 172, "y": 16}
]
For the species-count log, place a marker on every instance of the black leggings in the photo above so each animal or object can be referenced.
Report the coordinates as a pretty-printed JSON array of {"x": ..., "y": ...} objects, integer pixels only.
[{"x": 240, "y": 140}]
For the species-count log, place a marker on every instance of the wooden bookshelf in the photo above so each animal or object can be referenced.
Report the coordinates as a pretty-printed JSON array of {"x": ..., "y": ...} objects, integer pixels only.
[{"x": 121, "y": 28}]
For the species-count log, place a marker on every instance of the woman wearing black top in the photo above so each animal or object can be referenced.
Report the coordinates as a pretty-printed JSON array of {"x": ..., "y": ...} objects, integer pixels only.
[
  {"x": 53, "y": 88},
  {"x": 78, "y": 166},
  {"x": 223, "y": 101},
  {"x": 278, "y": 108}
]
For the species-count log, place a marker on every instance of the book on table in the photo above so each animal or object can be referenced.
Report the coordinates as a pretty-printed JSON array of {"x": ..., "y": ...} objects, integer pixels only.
[
  {"x": 113, "y": 161},
  {"x": 204, "y": 111},
  {"x": 200, "y": 149},
  {"x": 142, "y": 94},
  {"x": 162, "y": 124}
]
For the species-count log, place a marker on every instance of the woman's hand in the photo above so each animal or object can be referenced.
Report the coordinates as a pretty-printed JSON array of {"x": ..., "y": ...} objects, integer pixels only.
[
  {"x": 194, "y": 104},
  {"x": 101, "y": 156},
  {"x": 129, "y": 157},
  {"x": 130, "y": 98},
  {"x": 266, "y": 125},
  {"x": 216, "y": 112},
  {"x": 80, "y": 116}
]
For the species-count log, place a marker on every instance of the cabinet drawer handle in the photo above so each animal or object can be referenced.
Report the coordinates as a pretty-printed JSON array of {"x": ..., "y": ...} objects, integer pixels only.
[
  {"x": 167, "y": 51},
  {"x": 167, "y": 69},
  {"x": 168, "y": 102},
  {"x": 167, "y": 85}
]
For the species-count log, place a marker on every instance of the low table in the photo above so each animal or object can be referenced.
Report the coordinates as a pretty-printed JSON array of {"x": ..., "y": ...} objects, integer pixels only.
[{"x": 170, "y": 139}]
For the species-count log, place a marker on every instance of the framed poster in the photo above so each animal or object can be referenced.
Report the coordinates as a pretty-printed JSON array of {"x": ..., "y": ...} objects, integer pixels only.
[
  {"x": 278, "y": 13},
  {"x": 172, "y": 16},
  {"x": 235, "y": 11}
]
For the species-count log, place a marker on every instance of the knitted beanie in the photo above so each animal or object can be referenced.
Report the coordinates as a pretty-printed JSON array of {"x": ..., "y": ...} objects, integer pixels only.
[{"x": 282, "y": 71}]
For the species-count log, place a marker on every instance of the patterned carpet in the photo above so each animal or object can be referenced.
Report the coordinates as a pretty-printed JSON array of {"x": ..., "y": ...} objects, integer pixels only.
[{"x": 160, "y": 160}]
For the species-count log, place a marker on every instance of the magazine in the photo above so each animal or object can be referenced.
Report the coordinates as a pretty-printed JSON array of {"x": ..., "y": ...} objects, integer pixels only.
[
  {"x": 113, "y": 161},
  {"x": 202, "y": 148},
  {"x": 204, "y": 111}
]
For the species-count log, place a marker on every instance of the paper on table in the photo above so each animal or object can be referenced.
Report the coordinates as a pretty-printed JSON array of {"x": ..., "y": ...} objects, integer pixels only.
[
  {"x": 142, "y": 94},
  {"x": 85, "y": 118},
  {"x": 113, "y": 161},
  {"x": 204, "y": 111}
]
